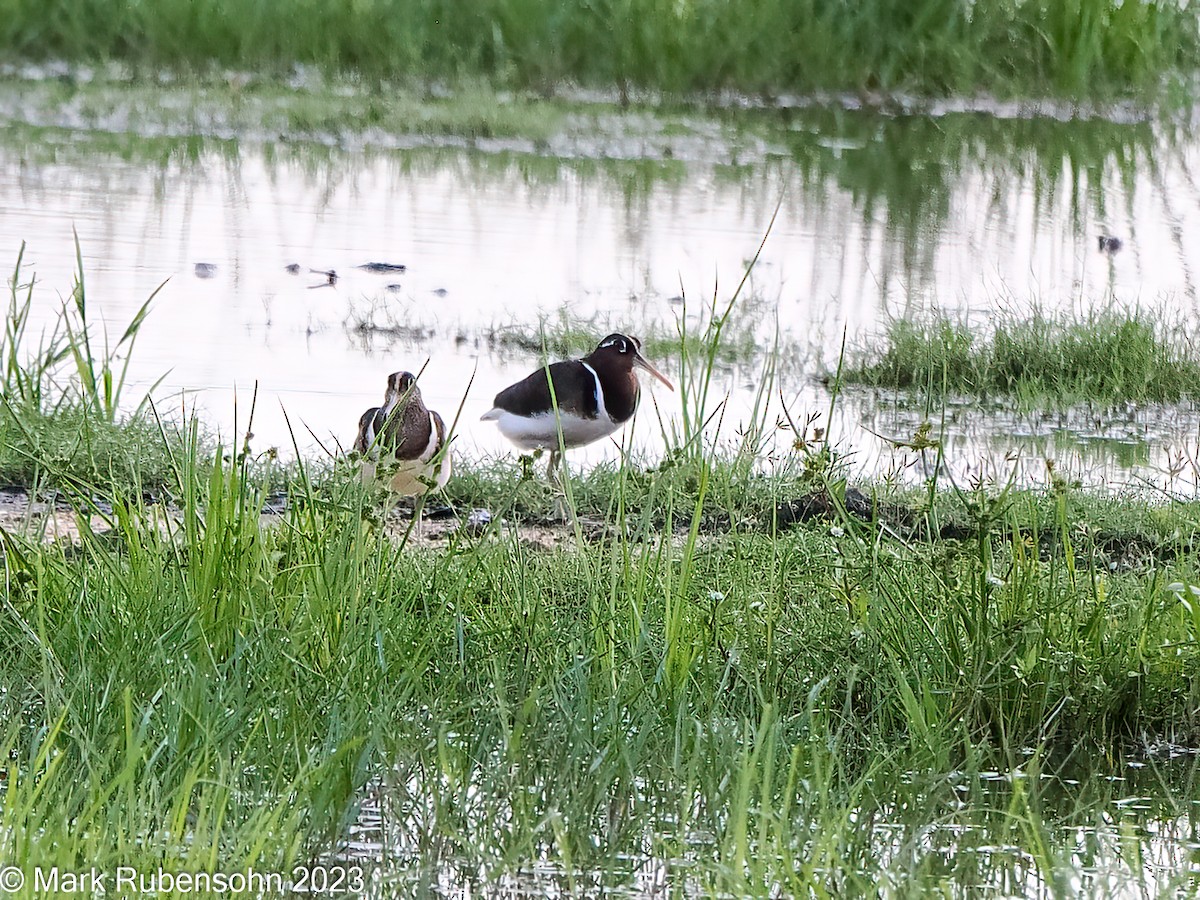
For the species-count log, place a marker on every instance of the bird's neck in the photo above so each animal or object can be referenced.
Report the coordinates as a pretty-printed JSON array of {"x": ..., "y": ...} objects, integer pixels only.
[{"x": 620, "y": 391}]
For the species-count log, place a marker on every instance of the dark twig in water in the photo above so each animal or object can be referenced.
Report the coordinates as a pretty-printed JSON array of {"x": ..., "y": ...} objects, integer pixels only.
[{"x": 382, "y": 268}]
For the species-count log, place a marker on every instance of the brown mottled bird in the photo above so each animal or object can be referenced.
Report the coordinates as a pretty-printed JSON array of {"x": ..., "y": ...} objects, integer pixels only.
[
  {"x": 404, "y": 438},
  {"x": 595, "y": 396}
]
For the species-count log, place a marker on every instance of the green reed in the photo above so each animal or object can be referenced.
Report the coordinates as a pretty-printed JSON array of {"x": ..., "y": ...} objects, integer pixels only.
[
  {"x": 782, "y": 46},
  {"x": 101, "y": 381},
  {"x": 25, "y": 378}
]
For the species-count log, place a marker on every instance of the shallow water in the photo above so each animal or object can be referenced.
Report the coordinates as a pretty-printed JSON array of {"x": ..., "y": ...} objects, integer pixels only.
[
  {"x": 879, "y": 215},
  {"x": 1131, "y": 830}
]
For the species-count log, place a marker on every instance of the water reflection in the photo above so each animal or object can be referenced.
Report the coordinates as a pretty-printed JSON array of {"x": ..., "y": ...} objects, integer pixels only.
[
  {"x": 880, "y": 216},
  {"x": 1129, "y": 831}
]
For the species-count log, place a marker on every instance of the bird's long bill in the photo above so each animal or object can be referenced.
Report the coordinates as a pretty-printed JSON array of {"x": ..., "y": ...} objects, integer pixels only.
[{"x": 642, "y": 362}]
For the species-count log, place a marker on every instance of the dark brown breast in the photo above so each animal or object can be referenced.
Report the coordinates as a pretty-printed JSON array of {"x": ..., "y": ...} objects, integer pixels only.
[
  {"x": 407, "y": 432},
  {"x": 620, "y": 391}
]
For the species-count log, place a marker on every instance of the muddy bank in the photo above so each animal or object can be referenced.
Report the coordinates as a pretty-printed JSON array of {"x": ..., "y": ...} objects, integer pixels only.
[{"x": 52, "y": 518}]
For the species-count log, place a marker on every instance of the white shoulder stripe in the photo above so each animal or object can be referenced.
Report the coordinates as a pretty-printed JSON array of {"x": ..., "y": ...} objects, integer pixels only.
[
  {"x": 432, "y": 447},
  {"x": 601, "y": 409}
]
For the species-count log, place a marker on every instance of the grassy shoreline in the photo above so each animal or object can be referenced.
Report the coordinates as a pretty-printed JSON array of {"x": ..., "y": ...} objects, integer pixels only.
[
  {"x": 1017, "y": 47},
  {"x": 340, "y": 110}
]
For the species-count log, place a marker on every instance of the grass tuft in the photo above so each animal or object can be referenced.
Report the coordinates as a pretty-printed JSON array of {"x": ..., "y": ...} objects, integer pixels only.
[
  {"x": 565, "y": 334},
  {"x": 1044, "y": 360},
  {"x": 73, "y": 433}
]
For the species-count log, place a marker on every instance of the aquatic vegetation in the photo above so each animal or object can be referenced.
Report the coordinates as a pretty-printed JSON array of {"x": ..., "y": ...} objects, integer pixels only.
[
  {"x": 1048, "y": 360},
  {"x": 565, "y": 333},
  {"x": 785, "y": 46},
  {"x": 649, "y": 682}
]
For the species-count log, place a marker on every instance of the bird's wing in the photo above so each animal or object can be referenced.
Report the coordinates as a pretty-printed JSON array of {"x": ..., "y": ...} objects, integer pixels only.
[
  {"x": 574, "y": 389},
  {"x": 368, "y": 427}
]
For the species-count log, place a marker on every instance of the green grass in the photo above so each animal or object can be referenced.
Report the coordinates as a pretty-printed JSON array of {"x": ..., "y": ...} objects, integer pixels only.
[
  {"x": 1044, "y": 360},
  {"x": 213, "y": 694},
  {"x": 938, "y": 46},
  {"x": 74, "y": 434},
  {"x": 691, "y": 693},
  {"x": 72, "y": 447}
]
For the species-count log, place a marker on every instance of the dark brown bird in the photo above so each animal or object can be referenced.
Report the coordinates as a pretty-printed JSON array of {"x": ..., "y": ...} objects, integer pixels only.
[
  {"x": 595, "y": 396},
  {"x": 404, "y": 439}
]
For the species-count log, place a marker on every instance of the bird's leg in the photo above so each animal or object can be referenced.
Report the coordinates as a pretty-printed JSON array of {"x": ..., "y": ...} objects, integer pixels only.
[
  {"x": 419, "y": 515},
  {"x": 558, "y": 475},
  {"x": 413, "y": 526}
]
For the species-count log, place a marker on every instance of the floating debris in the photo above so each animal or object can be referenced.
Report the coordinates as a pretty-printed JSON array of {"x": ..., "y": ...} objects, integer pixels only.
[
  {"x": 1163, "y": 749},
  {"x": 292, "y": 269},
  {"x": 413, "y": 333},
  {"x": 383, "y": 268},
  {"x": 440, "y": 292},
  {"x": 206, "y": 270},
  {"x": 394, "y": 287},
  {"x": 1110, "y": 244},
  {"x": 331, "y": 277}
]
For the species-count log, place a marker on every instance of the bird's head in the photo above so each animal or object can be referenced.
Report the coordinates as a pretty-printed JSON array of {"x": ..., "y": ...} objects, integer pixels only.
[
  {"x": 628, "y": 352},
  {"x": 401, "y": 383},
  {"x": 401, "y": 386}
]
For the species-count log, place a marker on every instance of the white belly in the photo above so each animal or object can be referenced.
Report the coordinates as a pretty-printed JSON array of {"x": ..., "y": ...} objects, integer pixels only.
[
  {"x": 413, "y": 478},
  {"x": 539, "y": 432}
]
